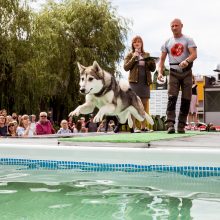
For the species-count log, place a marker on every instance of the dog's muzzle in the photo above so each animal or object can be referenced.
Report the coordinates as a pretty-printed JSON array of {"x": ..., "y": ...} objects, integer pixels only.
[{"x": 83, "y": 91}]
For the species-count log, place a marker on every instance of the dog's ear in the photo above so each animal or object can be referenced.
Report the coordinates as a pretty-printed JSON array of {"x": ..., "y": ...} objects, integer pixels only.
[
  {"x": 96, "y": 67},
  {"x": 81, "y": 67}
]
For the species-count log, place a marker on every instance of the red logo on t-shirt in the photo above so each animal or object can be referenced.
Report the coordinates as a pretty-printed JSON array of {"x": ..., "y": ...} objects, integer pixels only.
[{"x": 177, "y": 49}]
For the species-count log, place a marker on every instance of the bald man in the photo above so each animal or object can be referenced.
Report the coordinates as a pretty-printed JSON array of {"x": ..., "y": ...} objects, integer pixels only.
[{"x": 181, "y": 51}]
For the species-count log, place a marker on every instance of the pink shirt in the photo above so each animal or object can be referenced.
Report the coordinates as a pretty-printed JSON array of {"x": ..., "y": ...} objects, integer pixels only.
[{"x": 44, "y": 128}]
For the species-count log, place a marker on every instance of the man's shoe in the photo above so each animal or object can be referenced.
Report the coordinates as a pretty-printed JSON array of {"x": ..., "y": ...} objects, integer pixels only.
[
  {"x": 171, "y": 130},
  {"x": 170, "y": 127},
  {"x": 181, "y": 128}
]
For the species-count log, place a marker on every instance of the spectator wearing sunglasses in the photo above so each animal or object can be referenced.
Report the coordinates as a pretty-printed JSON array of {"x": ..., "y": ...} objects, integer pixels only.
[
  {"x": 11, "y": 129},
  {"x": 44, "y": 126}
]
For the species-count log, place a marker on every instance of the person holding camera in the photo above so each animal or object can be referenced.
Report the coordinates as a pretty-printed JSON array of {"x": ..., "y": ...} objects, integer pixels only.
[{"x": 140, "y": 65}]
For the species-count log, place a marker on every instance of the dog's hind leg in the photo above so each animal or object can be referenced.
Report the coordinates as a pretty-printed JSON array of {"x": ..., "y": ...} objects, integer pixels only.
[
  {"x": 149, "y": 119},
  {"x": 138, "y": 105},
  {"x": 126, "y": 115},
  {"x": 133, "y": 111}
]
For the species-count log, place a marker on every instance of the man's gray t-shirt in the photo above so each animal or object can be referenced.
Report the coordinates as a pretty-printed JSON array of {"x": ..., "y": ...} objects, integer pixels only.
[{"x": 177, "y": 49}]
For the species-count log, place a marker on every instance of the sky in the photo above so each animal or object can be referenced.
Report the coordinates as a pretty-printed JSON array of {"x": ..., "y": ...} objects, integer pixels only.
[
  {"x": 151, "y": 20},
  {"x": 201, "y": 21}
]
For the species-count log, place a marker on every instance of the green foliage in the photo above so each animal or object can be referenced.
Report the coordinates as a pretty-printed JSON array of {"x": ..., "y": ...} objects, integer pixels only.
[{"x": 39, "y": 51}]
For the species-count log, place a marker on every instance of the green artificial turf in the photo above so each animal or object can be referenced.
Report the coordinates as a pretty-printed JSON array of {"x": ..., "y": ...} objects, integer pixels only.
[{"x": 130, "y": 138}]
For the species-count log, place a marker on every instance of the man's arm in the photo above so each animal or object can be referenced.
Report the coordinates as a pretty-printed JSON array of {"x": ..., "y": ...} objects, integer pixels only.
[
  {"x": 192, "y": 56},
  {"x": 161, "y": 65}
]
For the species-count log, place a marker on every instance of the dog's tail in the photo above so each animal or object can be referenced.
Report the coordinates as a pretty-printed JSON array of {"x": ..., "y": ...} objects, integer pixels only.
[
  {"x": 137, "y": 103},
  {"x": 149, "y": 119}
]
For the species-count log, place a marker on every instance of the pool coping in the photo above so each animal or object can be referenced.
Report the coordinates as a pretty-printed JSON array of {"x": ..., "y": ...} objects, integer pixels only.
[{"x": 204, "y": 140}]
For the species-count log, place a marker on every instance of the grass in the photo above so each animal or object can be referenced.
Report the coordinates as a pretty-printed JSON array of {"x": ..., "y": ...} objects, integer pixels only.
[{"x": 130, "y": 138}]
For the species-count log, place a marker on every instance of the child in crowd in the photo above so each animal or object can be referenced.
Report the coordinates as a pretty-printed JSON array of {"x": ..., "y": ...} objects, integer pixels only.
[{"x": 64, "y": 128}]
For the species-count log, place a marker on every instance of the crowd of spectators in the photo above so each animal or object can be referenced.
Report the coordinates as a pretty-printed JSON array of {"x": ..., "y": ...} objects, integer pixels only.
[{"x": 16, "y": 125}]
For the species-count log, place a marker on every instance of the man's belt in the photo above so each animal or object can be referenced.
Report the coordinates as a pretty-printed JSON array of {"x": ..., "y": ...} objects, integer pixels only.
[
  {"x": 189, "y": 67},
  {"x": 180, "y": 71}
]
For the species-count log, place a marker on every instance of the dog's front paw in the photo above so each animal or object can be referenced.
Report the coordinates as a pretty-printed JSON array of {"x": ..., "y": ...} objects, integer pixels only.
[
  {"x": 76, "y": 112},
  {"x": 98, "y": 118}
]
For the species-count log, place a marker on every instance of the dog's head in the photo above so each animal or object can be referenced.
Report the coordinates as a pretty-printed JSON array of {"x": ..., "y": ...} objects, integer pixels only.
[{"x": 91, "y": 78}]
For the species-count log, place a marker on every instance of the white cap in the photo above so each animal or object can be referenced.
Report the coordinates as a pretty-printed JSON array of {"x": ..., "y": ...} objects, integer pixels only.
[{"x": 217, "y": 68}]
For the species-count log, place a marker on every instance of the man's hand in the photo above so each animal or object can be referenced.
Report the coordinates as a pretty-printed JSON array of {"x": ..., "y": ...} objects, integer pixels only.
[
  {"x": 184, "y": 64},
  {"x": 160, "y": 77}
]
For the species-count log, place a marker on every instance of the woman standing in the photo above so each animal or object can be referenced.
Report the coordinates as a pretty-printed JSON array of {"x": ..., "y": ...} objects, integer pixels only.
[{"x": 140, "y": 66}]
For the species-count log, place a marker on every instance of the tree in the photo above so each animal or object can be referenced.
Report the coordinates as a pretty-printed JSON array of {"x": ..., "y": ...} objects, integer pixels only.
[
  {"x": 60, "y": 35},
  {"x": 14, "y": 31}
]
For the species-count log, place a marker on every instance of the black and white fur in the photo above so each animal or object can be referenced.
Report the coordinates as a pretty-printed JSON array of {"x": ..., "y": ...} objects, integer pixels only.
[{"x": 109, "y": 96}]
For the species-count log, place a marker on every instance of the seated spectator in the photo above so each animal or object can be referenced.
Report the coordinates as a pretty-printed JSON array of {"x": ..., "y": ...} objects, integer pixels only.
[
  {"x": 4, "y": 112},
  {"x": 79, "y": 126},
  {"x": 23, "y": 130},
  {"x": 33, "y": 123},
  {"x": 19, "y": 119},
  {"x": 83, "y": 122},
  {"x": 64, "y": 128},
  {"x": 11, "y": 130},
  {"x": 14, "y": 116},
  {"x": 8, "y": 119},
  {"x": 3, "y": 126},
  {"x": 16, "y": 124},
  {"x": 73, "y": 128},
  {"x": 70, "y": 122},
  {"x": 91, "y": 126},
  {"x": 102, "y": 127},
  {"x": 44, "y": 126},
  {"x": 112, "y": 123}
]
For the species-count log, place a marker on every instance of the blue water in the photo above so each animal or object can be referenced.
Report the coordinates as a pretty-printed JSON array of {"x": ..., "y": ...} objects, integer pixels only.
[{"x": 68, "y": 194}]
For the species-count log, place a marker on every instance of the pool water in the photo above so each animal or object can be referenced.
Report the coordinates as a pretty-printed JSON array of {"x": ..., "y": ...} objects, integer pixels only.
[{"x": 40, "y": 194}]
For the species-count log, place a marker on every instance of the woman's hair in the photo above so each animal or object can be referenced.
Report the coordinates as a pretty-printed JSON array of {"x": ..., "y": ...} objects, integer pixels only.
[
  {"x": 23, "y": 117},
  {"x": 79, "y": 125},
  {"x": 63, "y": 122},
  {"x": 134, "y": 40},
  {"x": 10, "y": 124}
]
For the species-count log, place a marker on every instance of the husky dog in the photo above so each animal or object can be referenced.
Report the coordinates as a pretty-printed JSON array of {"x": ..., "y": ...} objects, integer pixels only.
[{"x": 109, "y": 96}]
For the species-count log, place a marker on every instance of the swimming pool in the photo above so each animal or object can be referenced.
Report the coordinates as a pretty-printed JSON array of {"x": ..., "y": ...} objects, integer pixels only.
[{"x": 109, "y": 182}]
